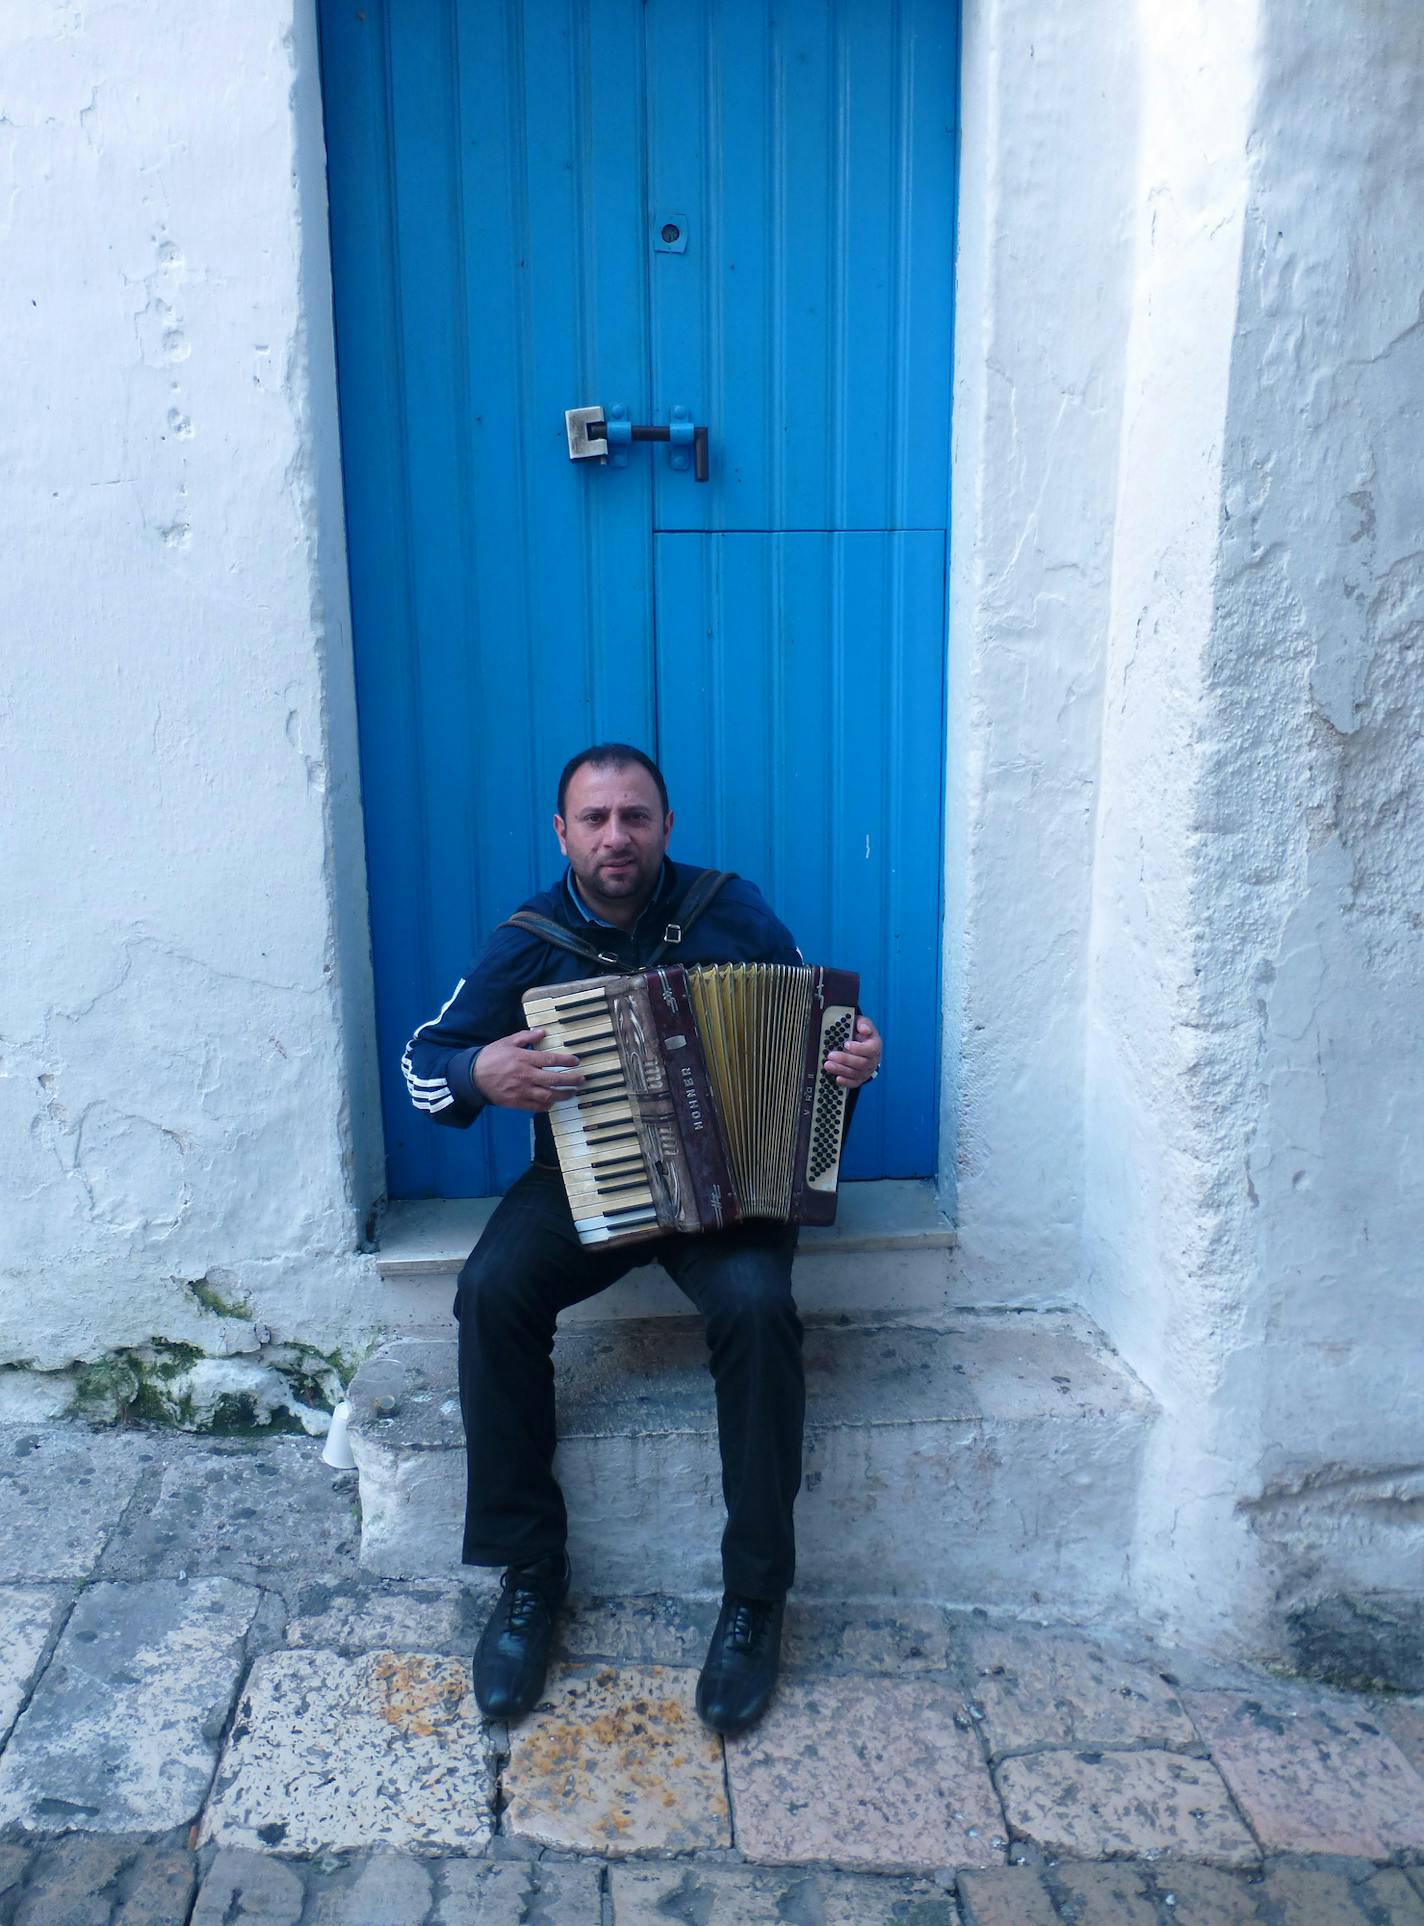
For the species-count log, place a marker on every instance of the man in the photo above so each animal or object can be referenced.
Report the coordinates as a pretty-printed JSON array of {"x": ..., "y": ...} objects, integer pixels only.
[{"x": 620, "y": 896}]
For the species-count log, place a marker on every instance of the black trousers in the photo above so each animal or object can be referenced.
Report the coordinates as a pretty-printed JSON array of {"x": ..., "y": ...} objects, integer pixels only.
[{"x": 529, "y": 1266}]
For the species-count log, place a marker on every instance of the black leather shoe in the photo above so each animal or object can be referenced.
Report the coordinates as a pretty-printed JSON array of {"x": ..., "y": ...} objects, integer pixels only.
[
  {"x": 512, "y": 1656},
  {"x": 742, "y": 1662}
]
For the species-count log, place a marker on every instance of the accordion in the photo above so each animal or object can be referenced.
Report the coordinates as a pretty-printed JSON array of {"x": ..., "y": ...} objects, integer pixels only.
[{"x": 703, "y": 1100}]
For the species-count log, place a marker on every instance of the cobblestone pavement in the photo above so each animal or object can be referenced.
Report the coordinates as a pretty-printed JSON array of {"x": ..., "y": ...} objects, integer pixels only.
[{"x": 209, "y": 1715}]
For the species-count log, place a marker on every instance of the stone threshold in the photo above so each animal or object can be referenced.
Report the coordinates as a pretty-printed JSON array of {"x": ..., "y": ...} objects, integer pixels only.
[{"x": 431, "y": 1237}]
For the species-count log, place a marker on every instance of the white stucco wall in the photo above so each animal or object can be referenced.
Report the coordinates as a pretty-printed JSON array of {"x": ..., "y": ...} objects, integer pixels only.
[
  {"x": 1159, "y": 1119},
  {"x": 1183, "y": 945},
  {"x": 185, "y": 945},
  {"x": 1042, "y": 305},
  {"x": 1327, "y": 541},
  {"x": 1252, "y": 1211}
]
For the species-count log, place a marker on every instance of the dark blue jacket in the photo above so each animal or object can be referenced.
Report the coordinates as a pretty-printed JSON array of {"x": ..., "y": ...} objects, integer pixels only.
[{"x": 737, "y": 927}]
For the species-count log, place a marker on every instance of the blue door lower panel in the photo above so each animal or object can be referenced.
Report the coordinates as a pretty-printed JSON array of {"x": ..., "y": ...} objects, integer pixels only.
[{"x": 800, "y": 697}]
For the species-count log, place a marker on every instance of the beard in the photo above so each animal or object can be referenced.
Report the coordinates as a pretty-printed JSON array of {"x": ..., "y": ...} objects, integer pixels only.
[{"x": 617, "y": 885}]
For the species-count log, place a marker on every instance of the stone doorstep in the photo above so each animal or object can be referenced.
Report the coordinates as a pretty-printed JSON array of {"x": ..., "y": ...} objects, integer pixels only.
[
  {"x": 424, "y": 1243},
  {"x": 990, "y": 1463}
]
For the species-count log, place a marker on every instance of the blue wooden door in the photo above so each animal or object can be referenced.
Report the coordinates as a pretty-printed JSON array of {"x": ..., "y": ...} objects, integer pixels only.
[{"x": 740, "y": 208}]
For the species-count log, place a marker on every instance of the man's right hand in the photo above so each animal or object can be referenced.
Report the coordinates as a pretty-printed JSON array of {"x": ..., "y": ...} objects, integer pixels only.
[{"x": 513, "y": 1073}]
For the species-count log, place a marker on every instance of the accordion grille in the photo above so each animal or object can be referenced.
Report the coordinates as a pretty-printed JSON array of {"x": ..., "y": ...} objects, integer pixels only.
[{"x": 751, "y": 1018}]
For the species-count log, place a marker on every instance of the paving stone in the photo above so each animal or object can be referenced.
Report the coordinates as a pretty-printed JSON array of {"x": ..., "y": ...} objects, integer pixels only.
[
  {"x": 1111, "y": 1895},
  {"x": 62, "y": 1488},
  {"x": 658, "y": 1629},
  {"x": 561, "y": 1893},
  {"x": 838, "y": 1638},
  {"x": 28, "y": 1614},
  {"x": 616, "y": 1760},
  {"x": 157, "y": 1889},
  {"x": 69, "y": 1883},
  {"x": 723, "y": 1896},
  {"x": 108, "y": 1882},
  {"x": 386, "y": 1889},
  {"x": 1317, "y": 1779},
  {"x": 14, "y": 1866},
  {"x": 331, "y": 1753},
  {"x": 1389, "y": 1899},
  {"x": 353, "y": 1619},
  {"x": 471, "y": 1892},
  {"x": 243, "y": 1886},
  {"x": 1045, "y": 1689},
  {"x": 1314, "y": 1892},
  {"x": 1206, "y": 1896},
  {"x": 123, "y": 1728},
  {"x": 1006, "y": 1896},
  {"x": 1087, "y": 1805},
  {"x": 849, "y": 1900},
  {"x": 273, "y": 1507},
  {"x": 1403, "y": 1720},
  {"x": 855, "y": 1773}
]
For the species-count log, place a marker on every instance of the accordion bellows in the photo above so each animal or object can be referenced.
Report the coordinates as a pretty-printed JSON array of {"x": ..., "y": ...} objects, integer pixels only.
[{"x": 704, "y": 1100}]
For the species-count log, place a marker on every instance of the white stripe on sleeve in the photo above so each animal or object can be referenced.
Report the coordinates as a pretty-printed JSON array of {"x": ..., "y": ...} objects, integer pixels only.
[{"x": 429, "y": 1093}]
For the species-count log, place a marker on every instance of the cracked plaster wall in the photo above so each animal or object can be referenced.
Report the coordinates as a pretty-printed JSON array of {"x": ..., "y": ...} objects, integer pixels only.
[
  {"x": 1254, "y": 1063},
  {"x": 182, "y": 1083}
]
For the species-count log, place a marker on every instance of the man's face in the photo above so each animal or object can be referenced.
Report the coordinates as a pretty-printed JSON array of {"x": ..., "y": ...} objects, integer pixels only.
[{"x": 614, "y": 834}]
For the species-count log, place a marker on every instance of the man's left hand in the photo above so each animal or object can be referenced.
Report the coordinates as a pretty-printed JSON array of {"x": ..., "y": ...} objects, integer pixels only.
[{"x": 859, "y": 1060}]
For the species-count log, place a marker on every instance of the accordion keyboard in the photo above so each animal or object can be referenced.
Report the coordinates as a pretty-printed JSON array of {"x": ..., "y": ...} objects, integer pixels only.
[{"x": 599, "y": 1149}]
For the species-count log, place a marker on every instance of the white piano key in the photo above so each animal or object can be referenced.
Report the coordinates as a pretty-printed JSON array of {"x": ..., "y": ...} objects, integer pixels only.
[
  {"x": 595, "y": 1143},
  {"x": 579, "y": 1039},
  {"x": 603, "y": 1101},
  {"x": 603, "y": 1109},
  {"x": 603, "y": 1149},
  {"x": 585, "y": 1149},
  {"x": 584, "y": 1202},
  {"x": 598, "y": 1230},
  {"x": 595, "y": 1116},
  {"x": 566, "y": 1006}
]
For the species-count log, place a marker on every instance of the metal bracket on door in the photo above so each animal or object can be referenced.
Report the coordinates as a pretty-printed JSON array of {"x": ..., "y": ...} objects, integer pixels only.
[{"x": 605, "y": 434}]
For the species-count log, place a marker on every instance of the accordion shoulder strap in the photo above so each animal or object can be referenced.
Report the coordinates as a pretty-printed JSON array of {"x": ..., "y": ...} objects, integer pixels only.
[
  {"x": 548, "y": 931},
  {"x": 695, "y": 898},
  {"x": 698, "y": 894}
]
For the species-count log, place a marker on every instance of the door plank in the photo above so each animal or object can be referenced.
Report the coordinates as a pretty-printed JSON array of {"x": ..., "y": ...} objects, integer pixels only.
[
  {"x": 488, "y": 229},
  {"x": 800, "y": 702},
  {"x": 809, "y": 321}
]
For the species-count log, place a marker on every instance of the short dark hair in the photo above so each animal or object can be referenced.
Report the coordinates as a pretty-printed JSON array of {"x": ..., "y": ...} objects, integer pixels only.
[{"x": 611, "y": 755}]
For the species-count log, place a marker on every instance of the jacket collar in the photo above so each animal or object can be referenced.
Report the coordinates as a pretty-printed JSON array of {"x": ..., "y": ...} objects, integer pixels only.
[{"x": 664, "y": 891}]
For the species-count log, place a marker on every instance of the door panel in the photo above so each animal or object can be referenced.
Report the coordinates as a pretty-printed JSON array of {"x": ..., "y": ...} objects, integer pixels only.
[
  {"x": 812, "y": 151},
  {"x": 808, "y": 155},
  {"x": 800, "y": 684},
  {"x": 500, "y": 172},
  {"x": 488, "y": 233}
]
